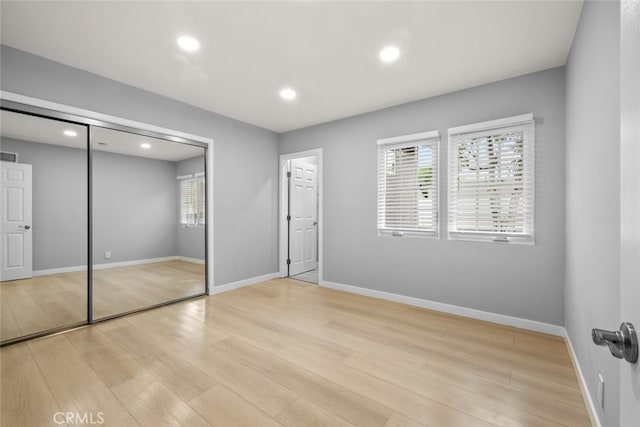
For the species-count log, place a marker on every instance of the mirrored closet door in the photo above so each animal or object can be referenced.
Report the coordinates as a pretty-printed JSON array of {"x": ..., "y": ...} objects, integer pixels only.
[
  {"x": 44, "y": 231},
  {"x": 98, "y": 220},
  {"x": 148, "y": 221}
]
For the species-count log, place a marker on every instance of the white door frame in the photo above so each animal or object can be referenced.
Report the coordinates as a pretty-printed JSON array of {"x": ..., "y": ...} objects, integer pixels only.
[
  {"x": 629, "y": 200},
  {"x": 284, "y": 199}
]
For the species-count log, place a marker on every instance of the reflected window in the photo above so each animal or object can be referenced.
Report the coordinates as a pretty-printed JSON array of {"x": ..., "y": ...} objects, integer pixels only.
[{"x": 192, "y": 200}]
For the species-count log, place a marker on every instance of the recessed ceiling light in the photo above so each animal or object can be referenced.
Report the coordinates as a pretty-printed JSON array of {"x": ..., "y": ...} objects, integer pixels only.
[
  {"x": 288, "y": 94},
  {"x": 188, "y": 43},
  {"x": 70, "y": 132},
  {"x": 145, "y": 145},
  {"x": 389, "y": 54}
]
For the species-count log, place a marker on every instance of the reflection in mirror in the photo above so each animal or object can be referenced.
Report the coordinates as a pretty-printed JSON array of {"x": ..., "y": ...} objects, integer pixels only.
[
  {"x": 148, "y": 221},
  {"x": 43, "y": 226}
]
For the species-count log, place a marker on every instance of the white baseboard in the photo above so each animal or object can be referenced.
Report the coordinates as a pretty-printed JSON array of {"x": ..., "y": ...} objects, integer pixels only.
[
  {"x": 242, "y": 283},
  {"x": 588, "y": 401},
  {"x": 113, "y": 265},
  {"x": 501, "y": 319},
  {"x": 191, "y": 260}
]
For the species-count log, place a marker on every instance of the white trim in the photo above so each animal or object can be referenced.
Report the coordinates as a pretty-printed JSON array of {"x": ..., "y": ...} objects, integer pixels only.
[
  {"x": 242, "y": 283},
  {"x": 532, "y": 325},
  {"x": 473, "y": 236},
  {"x": 410, "y": 138},
  {"x": 103, "y": 266},
  {"x": 491, "y": 124},
  {"x": 284, "y": 158},
  {"x": 588, "y": 401},
  {"x": 41, "y": 103},
  {"x": 189, "y": 176},
  {"x": 209, "y": 221},
  {"x": 198, "y": 174}
]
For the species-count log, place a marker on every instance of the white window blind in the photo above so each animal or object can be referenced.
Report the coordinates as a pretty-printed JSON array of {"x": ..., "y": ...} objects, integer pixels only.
[
  {"x": 408, "y": 185},
  {"x": 192, "y": 199},
  {"x": 491, "y": 181},
  {"x": 200, "y": 197}
]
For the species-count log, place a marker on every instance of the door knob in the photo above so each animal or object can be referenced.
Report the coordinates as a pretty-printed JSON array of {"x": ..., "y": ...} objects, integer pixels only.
[
  {"x": 622, "y": 343},
  {"x": 26, "y": 227}
]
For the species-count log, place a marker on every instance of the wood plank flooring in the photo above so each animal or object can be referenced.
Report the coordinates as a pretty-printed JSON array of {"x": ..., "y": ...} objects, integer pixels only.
[
  {"x": 46, "y": 302},
  {"x": 289, "y": 353}
]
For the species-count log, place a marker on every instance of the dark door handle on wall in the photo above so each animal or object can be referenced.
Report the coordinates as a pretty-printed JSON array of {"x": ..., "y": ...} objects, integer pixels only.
[
  {"x": 622, "y": 343},
  {"x": 26, "y": 227}
]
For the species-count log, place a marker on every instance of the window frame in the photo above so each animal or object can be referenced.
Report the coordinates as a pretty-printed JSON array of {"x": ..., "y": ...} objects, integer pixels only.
[
  {"x": 412, "y": 140},
  {"x": 524, "y": 123}
]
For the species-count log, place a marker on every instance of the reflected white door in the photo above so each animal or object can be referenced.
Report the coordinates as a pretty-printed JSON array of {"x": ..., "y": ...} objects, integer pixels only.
[
  {"x": 304, "y": 217},
  {"x": 630, "y": 201},
  {"x": 15, "y": 224}
]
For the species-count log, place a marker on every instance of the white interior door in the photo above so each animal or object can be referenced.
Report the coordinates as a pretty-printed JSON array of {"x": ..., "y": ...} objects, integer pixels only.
[
  {"x": 15, "y": 224},
  {"x": 630, "y": 201},
  {"x": 304, "y": 217}
]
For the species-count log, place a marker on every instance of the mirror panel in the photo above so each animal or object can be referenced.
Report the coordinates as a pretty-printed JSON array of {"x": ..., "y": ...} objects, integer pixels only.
[
  {"x": 148, "y": 221},
  {"x": 43, "y": 228}
]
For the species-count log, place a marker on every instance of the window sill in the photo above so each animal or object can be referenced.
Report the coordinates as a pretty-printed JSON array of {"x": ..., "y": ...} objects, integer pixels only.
[
  {"x": 493, "y": 238},
  {"x": 408, "y": 233}
]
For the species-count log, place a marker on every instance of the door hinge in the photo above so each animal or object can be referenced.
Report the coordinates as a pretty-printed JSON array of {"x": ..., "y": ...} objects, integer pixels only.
[
  {"x": 289, "y": 174},
  {"x": 288, "y": 217},
  {"x": 288, "y": 262}
]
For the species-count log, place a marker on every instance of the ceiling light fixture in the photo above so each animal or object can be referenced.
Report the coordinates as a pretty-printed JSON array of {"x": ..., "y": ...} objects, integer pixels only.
[
  {"x": 188, "y": 44},
  {"x": 145, "y": 145},
  {"x": 288, "y": 94},
  {"x": 389, "y": 54},
  {"x": 70, "y": 132}
]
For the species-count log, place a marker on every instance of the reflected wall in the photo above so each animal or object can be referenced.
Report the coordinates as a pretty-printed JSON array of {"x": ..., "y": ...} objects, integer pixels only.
[
  {"x": 148, "y": 221},
  {"x": 44, "y": 278}
]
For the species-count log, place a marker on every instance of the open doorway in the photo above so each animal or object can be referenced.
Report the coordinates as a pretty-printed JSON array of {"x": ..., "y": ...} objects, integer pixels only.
[{"x": 301, "y": 211}]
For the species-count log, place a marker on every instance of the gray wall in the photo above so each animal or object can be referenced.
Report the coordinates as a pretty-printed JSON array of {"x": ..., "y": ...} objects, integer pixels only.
[
  {"x": 134, "y": 205},
  {"x": 190, "y": 240},
  {"x": 59, "y": 197},
  {"x": 593, "y": 227},
  {"x": 245, "y": 157},
  {"x": 515, "y": 280}
]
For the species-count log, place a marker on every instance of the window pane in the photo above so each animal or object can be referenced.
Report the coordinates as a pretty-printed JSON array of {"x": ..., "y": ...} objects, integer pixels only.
[
  {"x": 407, "y": 192},
  {"x": 491, "y": 182}
]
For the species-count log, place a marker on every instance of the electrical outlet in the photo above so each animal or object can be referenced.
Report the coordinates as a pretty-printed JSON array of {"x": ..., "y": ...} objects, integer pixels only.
[
  {"x": 601, "y": 390},
  {"x": 107, "y": 255}
]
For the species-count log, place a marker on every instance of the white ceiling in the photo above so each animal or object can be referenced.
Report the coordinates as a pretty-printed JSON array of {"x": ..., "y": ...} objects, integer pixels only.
[
  {"x": 327, "y": 51},
  {"x": 46, "y": 131}
]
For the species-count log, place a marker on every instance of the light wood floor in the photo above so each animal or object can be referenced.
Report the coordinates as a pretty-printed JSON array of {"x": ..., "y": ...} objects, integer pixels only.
[
  {"x": 46, "y": 302},
  {"x": 286, "y": 352}
]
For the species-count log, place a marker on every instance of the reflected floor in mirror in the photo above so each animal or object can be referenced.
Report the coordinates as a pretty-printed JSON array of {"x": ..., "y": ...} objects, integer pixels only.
[{"x": 46, "y": 302}]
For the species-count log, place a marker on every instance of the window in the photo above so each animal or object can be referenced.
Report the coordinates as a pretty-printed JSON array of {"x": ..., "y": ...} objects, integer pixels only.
[
  {"x": 192, "y": 199},
  {"x": 491, "y": 181},
  {"x": 408, "y": 185}
]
